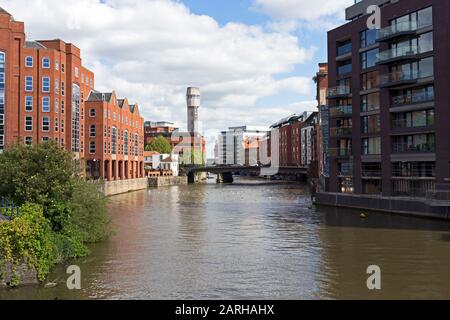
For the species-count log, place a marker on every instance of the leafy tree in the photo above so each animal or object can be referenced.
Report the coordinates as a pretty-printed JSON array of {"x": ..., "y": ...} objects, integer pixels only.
[{"x": 160, "y": 145}]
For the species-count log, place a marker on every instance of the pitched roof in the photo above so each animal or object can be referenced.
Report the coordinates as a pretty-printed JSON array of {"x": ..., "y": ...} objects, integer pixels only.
[
  {"x": 4, "y": 11},
  {"x": 99, "y": 96},
  {"x": 34, "y": 45}
]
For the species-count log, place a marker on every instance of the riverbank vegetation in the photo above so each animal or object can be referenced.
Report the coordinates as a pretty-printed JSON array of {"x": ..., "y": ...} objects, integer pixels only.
[{"x": 60, "y": 213}]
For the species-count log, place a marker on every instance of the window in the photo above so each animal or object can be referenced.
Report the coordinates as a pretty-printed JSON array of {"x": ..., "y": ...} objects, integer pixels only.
[
  {"x": 414, "y": 143},
  {"x": 28, "y": 141},
  {"x": 345, "y": 67},
  {"x": 370, "y": 102},
  {"x": 62, "y": 128},
  {"x": 57, "y": 64},
  {"x": 63, "y": 67},
  {"x": 56, "y": 125},
  {"x": 28, "y": 83},
  {"x": 46, "y": 124},
  {"x": 425, "y": 17},
  {"x": 29, "y": 62},
  {"x": 370, "y": 124},
  {"x": 28, "y": 123},
  {"x": 45, "y": 84},
  {"x": 92, "y": 147},
  {"x": 136, "y": 145},
  {"x": 92, "y": 113},
  {"x": 114, "y": 140},
  {"x": 45, "y": 139},
  {"x": 56, "y": 105},
  {"x": 125, "y": 142},
  {"x": 63, "y": 88},
  {"x": 76, "y": 72},
  {"x": 369, "y": 80},
  {"x": 414, "y": 119},
  {"x": 411, "y": 96},
  {"x": 2, "y": 79},
  {"x": 369, "y": 58},
  {"x": 46, "y": 63},
  {"x": 56, "y": 86},
  {"x": 92, "y": 131},
  {"x": 371, "y": 146},
  {"x": 45, "y": 104},
  {"x": 29, "y": 103},
  {"x": 62, "y": 106},
  {"x": 75, "y": 118},
  {"x": 368, "y": 37}
]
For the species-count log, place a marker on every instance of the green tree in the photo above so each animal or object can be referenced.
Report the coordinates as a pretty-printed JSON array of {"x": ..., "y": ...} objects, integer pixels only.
[{"x": 160, "y": 145}]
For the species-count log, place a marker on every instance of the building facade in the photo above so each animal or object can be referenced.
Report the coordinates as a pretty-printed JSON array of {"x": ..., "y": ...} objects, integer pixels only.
[
  {"x": 43, "y": 87},
  {"x": 240, "y": 145},
  {"x": 114, "y": 139},
  {"x": 47, "y": 94},
  {"x": 321, "y": 81},
  {"x": 388, "y": 100},
  {"x": 155, "y": 129}
]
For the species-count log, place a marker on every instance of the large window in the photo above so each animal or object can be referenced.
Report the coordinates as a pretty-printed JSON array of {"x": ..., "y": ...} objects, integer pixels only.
[
  {"x": 421, "y": 69},
  {"x": 370, "y": 102},
  {"x": 370, "y": 124},
  {"x": 414, "y": 119},
  {"x": 368, "y": 37},
  {"x": 414, "y": 143},
  {"x": 114, "y": 140},
  {"x": 369, "y": 80},
  {"x": 29, "y": 62},
  {"x": 371, "y": 146},
  {"x": 2, "y": 100},
  {"x": 418, "y": 19},
  {"x": 125, "y": 143},
  {"x": 92, "y": 147},
  {"x": 46, "y": 63},
  {"x": 136, "y": 145},
  {"x": 75, "y": 118},
  {"x": 92, "y": 131},
  {"x": 369, "y": 58},
  {"x": 414, "y": 95}
]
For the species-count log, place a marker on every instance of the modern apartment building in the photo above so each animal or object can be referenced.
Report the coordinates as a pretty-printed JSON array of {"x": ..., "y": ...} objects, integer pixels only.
[
  {"x": 43, "y": 85},
  {"x": 156, "y": 129},
  {"x": 114, "y": 139},
  {"x": 388, "y": 100}
]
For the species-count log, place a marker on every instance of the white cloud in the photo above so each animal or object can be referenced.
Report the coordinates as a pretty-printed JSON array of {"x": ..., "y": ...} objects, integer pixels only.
[
  {"x": 308, "y": 10},
  {"x": 150, "y": 51}
]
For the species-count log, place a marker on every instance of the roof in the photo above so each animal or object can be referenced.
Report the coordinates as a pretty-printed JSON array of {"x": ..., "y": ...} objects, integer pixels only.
[
  {"x": 150, "y": 153},
  {"x": 291, "y": 118},
  {"x": 34, "y": 45},
  {"x": 168, "y": 159},
  {"x": 99, "y": 96},
  {"x": 4, "y": 11}
]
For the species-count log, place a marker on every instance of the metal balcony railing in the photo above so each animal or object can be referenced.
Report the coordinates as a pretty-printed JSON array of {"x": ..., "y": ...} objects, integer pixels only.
[
  {"x": 413, "y": 148},
  {"x": 340, "y": 111},
  {"x": 398, "y": 28}
]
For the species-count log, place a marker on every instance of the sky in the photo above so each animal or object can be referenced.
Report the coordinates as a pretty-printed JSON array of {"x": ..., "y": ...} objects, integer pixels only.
[{"x": 254, "y": 60}]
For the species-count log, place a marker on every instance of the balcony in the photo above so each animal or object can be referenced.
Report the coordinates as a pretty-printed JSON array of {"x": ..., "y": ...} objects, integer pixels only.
[
  {"x": 413, "y": 148},
  {"x": 398, "y": 54},
  {"x": 339, "y": 92},
  {"x": 371, "y": 173},
  {"x": 341, "y": 132},
  {"x": 340, "y": 153},
  {"x": 416, "y": 98},
  {"x": 398, "y": 78},
  {"x": 418, "y": 123},
  {"x": 398, "y": 30},
  {"x": 341, "y": 111}
]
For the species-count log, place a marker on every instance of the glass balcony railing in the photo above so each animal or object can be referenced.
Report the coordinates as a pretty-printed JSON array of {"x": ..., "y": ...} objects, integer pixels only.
[
  {"x": 339, "y": 152},
  {"x": 398, "y": 28},
  {"x": 397, "y": 53},
  {"x": 345, "y": 69},
  {"x": 421, "y": 97},
  {"x": 341, "y": 131},
  {"x": 341, "y": 111},
  {"x": 417, "y": 123},
  {"x": 344, "y": 49},
  {"x": 371, "y": 173},
  {"x": 399, "y": 76},
  {"x": 339, "y": 91},
  {"x": 413, "y": 148}
]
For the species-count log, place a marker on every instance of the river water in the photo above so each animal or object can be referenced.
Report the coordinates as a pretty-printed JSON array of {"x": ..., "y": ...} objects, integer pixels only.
[{"x": 254, "y": 240}]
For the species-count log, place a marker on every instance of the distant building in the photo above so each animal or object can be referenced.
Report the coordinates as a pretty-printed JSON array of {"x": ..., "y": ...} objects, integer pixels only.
[
  {"x": 155, "y": 129},
  {"x": 233, "y": 142},
  {"x": 157, "y": 164},
  {"x": 308, "y": 140}
]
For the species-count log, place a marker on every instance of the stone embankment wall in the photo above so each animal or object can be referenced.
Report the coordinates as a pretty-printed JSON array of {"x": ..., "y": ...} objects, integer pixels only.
[
  {"x": 112, "y": 188},
  {"x": 156, "y": 182}
]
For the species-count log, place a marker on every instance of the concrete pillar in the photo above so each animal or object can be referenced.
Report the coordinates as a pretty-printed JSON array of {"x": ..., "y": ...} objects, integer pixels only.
[
  {"x": 108, "y": 170},
  {"x": 122, "y": 170}
]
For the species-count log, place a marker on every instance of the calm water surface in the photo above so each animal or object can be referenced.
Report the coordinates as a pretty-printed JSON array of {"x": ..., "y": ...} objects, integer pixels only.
[{"x": 252, "y": 240}]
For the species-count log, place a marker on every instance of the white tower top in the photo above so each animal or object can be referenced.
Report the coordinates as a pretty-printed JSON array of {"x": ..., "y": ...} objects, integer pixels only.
[{"x": 193, "y": 104}]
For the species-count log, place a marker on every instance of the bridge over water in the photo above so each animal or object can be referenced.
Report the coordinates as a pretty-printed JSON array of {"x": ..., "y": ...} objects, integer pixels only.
[{"x": 225, "y": 173}]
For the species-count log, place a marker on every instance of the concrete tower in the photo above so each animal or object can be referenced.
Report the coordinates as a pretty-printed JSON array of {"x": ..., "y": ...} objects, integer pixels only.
[{"x": 193, "y": 104}]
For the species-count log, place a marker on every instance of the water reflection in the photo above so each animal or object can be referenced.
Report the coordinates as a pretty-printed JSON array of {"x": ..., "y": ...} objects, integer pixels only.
[{"x": 254, "y": 240}]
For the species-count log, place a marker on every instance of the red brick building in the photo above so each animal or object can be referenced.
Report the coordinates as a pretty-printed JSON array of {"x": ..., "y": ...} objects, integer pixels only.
[
  {"x": 114, "y": 139},
  {"x": 290, "y": 140},
  {"x": 43, "y": 91}
]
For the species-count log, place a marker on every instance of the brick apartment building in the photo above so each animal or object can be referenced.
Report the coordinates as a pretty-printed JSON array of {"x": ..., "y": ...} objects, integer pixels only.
[
  {"x": 389, "y": 100},
  {"x": 156, "y": 129},
  {"x": 43, "y": 91}
]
